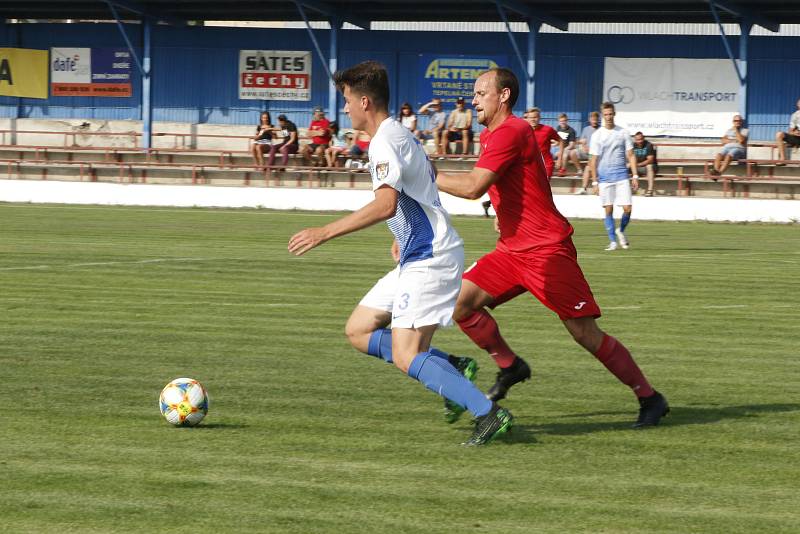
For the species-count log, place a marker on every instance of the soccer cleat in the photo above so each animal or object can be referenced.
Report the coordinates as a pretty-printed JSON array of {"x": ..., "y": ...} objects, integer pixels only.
[
  {"x": 623, "y": 241},
  {"x": 519, "y": 371},
  {"x": 581, "y": 191},
  {"x": 612, "y": 246},
  {"x": 487, "y": 427},
  {"x": 651, "y": 410},
  {"x": 469, "y": 368}
]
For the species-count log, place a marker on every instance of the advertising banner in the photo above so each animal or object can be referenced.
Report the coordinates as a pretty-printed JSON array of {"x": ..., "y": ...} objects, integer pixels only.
[
  {"x": 274, "y": 75},
  {"x": 452, "y": 77},
  {"x": 23, "y": 72},
  {"x": 672, "y": 96},
  {"x": 90, "y": 72}
]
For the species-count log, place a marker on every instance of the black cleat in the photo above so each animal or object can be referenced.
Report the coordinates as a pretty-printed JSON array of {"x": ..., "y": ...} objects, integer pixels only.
[
  {"x": 497, "y": 421},
  {"x": 518, "y": 372},
  {"x": 651, "y": 410},
  {"x": 469, "y": 368}
]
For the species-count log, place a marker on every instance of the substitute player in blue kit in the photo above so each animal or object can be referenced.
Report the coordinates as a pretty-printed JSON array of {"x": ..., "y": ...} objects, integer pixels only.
[
  {"x": 420, "y": 293},
  {"x": 611, "y": 151}
]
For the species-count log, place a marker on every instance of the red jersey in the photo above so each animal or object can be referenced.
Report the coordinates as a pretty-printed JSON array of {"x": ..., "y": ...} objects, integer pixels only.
[
  {"x": 521, "y": 195},
  {"x": 322, "y": 124},
  {"x": 544, "y": 134}
]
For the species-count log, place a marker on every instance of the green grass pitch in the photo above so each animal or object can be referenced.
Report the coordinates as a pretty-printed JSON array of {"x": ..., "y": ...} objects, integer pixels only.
[{"x": 101, "y": 307}]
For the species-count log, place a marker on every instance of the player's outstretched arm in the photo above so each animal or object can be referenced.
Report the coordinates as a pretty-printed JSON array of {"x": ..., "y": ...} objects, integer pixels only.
[
  {"x": 380, "y": 209},
  {"x": 471, "y": 185}
]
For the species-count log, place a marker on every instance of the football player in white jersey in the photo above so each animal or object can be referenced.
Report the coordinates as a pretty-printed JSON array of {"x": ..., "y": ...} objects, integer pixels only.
[
  {"x": 611, "y": 153},
  {"x": 418, "y": 295}
]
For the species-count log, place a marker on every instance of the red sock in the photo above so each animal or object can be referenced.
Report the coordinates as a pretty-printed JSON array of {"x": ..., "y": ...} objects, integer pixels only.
[
  {"x": 482, "y": 329},
  {"x": 619, "y": 361}
]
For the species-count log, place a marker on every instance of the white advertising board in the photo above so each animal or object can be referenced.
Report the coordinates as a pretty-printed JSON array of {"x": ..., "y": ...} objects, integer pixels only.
[
  {"x": 274, "y": 75},
  {"x": 672, "y": 96}
]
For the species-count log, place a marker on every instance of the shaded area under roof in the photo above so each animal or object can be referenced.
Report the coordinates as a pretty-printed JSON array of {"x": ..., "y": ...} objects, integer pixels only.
[{"x": 766, "y": 12}]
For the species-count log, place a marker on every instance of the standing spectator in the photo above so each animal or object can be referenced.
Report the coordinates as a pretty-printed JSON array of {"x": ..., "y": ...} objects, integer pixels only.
[
  {"x": 611, "y": 152},
  {"x": 289, "y": 143},
  {"x": 791, "y": 137},
  {"x": 436, "y": 123},
  {"x": 319, "y": 130},
  {"x": 545, "y": 137},
  {"x": 567, "y": 146},
  {"x": 734, "y": 145},
  {"x": 459, "y": 126},
  {"x": 263, "y": 138},
  {"x": 583, "y": 149},
  {"x": 646, "y": 161},
  {"x": 407, "y": 117}
]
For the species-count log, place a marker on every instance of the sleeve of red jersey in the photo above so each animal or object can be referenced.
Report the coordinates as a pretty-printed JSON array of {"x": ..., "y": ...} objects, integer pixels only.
[{"x": 500, "y": 152}]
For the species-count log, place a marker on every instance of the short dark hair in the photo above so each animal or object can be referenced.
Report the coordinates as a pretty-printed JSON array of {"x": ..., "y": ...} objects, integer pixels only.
[
  {"x": 506, "y": 79},
  {"x": 368, "y": 78},
  {"x": 638, "y": 133},
  {"x": 608, "y": 105}
]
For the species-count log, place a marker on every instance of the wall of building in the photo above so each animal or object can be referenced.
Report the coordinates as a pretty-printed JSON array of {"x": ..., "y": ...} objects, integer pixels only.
[{"x": 195, "y": 69}]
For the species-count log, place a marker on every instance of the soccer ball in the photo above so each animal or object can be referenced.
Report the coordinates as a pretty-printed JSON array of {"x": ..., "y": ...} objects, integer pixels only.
[{"x": 183, "y": 402}]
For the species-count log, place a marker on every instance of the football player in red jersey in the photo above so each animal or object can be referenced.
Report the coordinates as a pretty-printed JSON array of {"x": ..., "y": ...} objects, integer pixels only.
[{"x": 534, "y": 252}]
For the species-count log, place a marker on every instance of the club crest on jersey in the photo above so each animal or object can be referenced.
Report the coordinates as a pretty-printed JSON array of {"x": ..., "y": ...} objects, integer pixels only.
[{"x": 382, "y": 170}]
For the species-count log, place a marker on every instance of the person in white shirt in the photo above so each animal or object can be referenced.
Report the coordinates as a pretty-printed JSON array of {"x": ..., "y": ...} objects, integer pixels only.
[
  {"x": 611, "y": 154},
  {"x": 407, "y": 118},
  {"x": 419, "y": 294},
  {"x": 790, "y": 137}
]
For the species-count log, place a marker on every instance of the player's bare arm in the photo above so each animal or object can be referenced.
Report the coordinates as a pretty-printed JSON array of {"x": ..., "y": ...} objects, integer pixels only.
[
  {"x": 380, "y": 209},
  {"x": 471, "y": 185},
  {"x": 634, "y": 166}
]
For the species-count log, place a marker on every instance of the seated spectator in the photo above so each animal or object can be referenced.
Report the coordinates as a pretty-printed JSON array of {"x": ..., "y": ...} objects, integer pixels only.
[
  {"x": 407, "y": 117},
  {"x": 459, "y": 126},
  {"x": 734, "y": 146},
  {"x": 356, "y": 145},
  {"x": 544, "y": 135},
  {"x": 320, "y": 134},
  {"x": 646, "y": 161},
  {"x": 436, "y": 124},
  {"x": 566, "y": 150},
  {"x": 790, "y": 137},
  {"x": 289, "y": 143},
  {"x": 263, "y": 138},
  {"x": 583, "y": 150},
  {"x": 339, "y": 143}
]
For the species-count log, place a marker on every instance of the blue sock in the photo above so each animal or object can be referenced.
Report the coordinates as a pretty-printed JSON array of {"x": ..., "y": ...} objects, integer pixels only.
[
  {"x": 609, "y": 224},
  {"x": 623, "y": 222},
  {"x": 439, "y": 376},
  {"x": 380, "y": 346}
]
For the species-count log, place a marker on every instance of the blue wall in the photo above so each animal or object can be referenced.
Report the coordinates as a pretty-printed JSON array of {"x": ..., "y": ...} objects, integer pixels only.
[{"x": 195, "y": 69}]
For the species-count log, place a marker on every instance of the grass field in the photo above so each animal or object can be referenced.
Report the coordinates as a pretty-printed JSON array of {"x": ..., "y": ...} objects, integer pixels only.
[{"x": 101, "y": 307}]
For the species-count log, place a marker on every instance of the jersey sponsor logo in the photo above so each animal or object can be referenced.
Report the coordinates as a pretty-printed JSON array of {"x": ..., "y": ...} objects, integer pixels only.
[
  {"x": 382, "y": 170},
  {"x": 580, "y": 305}
]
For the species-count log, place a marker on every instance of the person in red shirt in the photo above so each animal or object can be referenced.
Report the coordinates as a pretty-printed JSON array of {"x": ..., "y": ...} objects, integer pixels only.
[
  {"x": 545, "y": 135},
  {"x": 534, "y": 252},
  {"x": 320, "y": 133}
]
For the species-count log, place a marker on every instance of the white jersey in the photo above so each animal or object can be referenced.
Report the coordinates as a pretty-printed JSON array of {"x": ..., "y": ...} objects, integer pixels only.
[
  {"x": 421, "y": 226},
  {"x": 610, "y": 147}
]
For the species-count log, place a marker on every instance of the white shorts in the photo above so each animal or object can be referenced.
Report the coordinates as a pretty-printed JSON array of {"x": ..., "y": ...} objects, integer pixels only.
[
  {"x": 421, "y": 293},
  {"x": 615, "y": 193}
]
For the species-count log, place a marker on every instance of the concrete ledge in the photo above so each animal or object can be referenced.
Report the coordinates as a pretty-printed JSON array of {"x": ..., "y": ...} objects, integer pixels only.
[{"x": 285, "y": 198}]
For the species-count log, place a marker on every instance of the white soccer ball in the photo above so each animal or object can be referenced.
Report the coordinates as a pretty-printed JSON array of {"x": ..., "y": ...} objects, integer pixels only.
[{"x": 183, "y": 402}]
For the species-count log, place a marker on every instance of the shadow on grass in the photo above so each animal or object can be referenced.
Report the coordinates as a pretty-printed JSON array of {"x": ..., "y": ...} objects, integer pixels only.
[
  {"x": 219, "y": 426},
  {"x": 678, "y": 416}
]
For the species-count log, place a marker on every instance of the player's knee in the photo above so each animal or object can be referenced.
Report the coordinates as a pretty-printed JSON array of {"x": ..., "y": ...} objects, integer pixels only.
[{"x": 779, "y": 136}]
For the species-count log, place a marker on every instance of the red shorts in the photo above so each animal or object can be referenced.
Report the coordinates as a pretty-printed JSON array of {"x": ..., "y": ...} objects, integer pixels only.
[{"x": 551, "y": 273}]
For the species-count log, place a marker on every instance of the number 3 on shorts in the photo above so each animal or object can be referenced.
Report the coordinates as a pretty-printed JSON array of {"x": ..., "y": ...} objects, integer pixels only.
[{"x": 403, "y": 301}]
